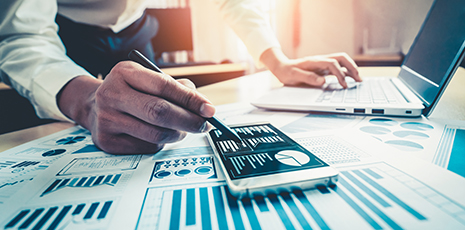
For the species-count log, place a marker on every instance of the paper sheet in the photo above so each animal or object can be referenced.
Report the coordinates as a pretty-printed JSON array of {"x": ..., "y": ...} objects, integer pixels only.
[{"x": 63, "y": 181}]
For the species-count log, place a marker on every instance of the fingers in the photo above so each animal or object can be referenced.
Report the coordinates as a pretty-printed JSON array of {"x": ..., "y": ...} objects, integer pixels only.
[
  {"x": 124, "y": 144},
  {"x": 347, "y": 62},
  {"x": 339, "y": 65},
  {"x": 117, "y": 132},
  {"x": 136, "y": 110},
  {"x": 333, "y": 66},
  {"x": 186, "y": 82},
  {"x": 164, "y": 86},
  {"x": 307, "y": 77},
  {"x": 162, "y": 113},
  {"x": 141, "y": 130}
]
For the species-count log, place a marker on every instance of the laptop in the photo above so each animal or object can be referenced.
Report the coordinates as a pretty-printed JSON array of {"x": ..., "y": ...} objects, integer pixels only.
[{"x": 432, "y": 60}]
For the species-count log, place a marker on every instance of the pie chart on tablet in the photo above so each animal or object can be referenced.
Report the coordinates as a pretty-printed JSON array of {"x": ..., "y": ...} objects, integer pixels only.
[{"x": 292, "y": 158}]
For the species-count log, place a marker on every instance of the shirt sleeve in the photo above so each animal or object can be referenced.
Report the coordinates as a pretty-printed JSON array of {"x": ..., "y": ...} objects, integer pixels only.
[
  {"x": 250, "y": 24},
  {"x": 32, "y": 57}
]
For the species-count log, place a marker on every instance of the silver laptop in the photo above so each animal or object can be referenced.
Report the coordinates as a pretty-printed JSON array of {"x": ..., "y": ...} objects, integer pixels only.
[{"x": 432, "y": 60}]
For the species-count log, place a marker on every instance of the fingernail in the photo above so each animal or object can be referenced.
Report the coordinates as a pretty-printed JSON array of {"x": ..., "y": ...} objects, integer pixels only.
[
  {"x": 320, "y": 81},
  {"x": 207, "y": 110}
]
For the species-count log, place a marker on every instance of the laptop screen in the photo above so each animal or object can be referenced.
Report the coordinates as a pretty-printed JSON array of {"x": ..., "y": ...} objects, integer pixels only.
[{"x": 436, "y": 52}]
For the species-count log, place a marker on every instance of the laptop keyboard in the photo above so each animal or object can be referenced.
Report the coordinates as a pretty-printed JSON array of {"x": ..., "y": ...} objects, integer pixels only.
[{"x": 370, "y": 91}]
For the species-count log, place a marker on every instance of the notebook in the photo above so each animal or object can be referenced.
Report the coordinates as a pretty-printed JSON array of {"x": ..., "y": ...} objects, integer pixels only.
[{"x": 432, "y": 60}]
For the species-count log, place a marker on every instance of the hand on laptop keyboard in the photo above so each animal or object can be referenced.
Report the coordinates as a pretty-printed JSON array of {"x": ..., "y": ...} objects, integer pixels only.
[
  {"x": 374, "y": 90},
  {"x": 310, "y": 70}
]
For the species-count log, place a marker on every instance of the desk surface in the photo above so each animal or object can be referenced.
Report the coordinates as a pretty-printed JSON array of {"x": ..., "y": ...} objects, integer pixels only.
[{"x": 451, "y": 105}]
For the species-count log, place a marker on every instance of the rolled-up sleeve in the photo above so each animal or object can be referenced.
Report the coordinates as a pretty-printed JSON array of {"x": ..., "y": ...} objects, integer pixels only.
[
  {"x": 250, "y": 24},
  {"x": 32, "y": 57}
]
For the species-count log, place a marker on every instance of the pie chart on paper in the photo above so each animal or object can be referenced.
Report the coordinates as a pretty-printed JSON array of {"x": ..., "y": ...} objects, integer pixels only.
[{"x": 292, "y": 157}]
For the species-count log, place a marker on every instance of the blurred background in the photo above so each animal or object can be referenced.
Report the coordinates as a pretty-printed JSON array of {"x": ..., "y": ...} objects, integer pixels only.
[
  {"x": 373, "y": 32},
  {"x": 194, "y": 39}
]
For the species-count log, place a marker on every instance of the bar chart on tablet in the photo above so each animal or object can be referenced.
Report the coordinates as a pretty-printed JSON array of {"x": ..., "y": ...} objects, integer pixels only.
[{"x": 265, "y": 150}]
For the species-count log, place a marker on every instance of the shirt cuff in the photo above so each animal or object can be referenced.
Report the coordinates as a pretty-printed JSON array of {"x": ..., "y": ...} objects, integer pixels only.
[{"x": 48, "y": 84}]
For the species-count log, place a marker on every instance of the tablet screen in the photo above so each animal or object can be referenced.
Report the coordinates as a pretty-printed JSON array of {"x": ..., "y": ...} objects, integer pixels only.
[{"x": 264, "y": 150}]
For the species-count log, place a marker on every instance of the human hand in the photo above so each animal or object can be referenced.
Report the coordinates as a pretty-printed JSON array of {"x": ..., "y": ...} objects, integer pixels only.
[
  {"x": 135, "y": 110},
  {"x": 310, "y": 70}
]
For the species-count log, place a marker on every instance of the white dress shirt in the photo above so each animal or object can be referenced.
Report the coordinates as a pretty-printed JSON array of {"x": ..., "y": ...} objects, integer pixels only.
[{"x": 33, "y": 59}]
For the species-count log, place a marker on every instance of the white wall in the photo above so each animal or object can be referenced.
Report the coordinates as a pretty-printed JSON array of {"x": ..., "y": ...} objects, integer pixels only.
[
  {"x": 326, "y": 26},
  {"x": 383, "y": 18},
  {"x": 329, "y": 26},
  {"x": 213, "y": 39}
]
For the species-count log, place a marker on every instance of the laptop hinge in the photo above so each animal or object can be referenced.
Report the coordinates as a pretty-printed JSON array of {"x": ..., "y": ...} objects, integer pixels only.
[{"x": 400, "y": 91}]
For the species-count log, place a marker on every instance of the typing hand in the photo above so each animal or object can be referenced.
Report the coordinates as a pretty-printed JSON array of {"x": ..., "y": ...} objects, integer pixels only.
[
  {"x": 310, "y": 70},
  {"x": 135, "y": 110}
]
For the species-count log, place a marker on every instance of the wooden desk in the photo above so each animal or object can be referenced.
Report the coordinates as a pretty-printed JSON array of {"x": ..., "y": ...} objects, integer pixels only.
[
  {"x": 246, "y": 88},
  {"x": 379, "y": 60},
  {"x": 208, "y": 74}
]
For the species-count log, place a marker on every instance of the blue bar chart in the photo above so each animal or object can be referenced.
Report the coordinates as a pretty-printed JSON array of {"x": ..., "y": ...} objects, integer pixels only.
[
  {"x": 457, "y": 158},
  {"x": 6, "y": 164},
  {"x": 25, "y": 164},
  {"x": 83, "y": 182},
  {"x": 62, "y": 216},
  {"x": 449, "y": 153},
  {"x": 375, "y": 196}
]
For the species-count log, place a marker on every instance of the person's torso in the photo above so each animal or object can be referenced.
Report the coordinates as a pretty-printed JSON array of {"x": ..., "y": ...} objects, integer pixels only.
[{"x": 113, "y": 14}]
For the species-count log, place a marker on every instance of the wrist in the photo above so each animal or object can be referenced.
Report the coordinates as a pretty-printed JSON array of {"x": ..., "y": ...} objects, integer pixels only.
[
  {"x": 273, "y": 58},
  {"x": 77, "y": 98}
]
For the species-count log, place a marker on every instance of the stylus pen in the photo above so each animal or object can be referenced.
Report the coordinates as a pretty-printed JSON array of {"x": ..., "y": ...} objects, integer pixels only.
[{"x": 141, "y": 59}]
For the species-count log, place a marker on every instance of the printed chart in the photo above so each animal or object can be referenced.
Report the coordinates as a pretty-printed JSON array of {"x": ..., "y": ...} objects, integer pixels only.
[
  {"x": 100, "y": 164},
  {"x": 375, "y": 196},
  {"x": 408, "y": 136},
  {"x": 14, "y": 174},
  {"x": 78, "y": 215},
  {"x": 332, "y": 150},
  {"x": 83, "y": 182},
  {"x": 450, "y": 151},
  {"x": 183, "y": 170}
]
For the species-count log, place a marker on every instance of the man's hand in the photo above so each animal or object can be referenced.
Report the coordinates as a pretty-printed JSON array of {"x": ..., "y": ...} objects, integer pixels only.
[
  {"x": 310, "y": 70},
  {"x": 135, "y": 110}
]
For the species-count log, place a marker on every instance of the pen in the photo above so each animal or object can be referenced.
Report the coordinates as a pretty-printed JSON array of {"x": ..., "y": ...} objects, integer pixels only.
[{"x": 141, "y": 59}]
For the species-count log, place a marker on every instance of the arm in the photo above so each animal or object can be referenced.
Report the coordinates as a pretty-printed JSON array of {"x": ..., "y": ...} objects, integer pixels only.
[
  {"x": 309, "y": 70},
  {"x": 134, "y": 110},
  {"x": 254, "y": 30},
  {"x": 32, "y": 57}
]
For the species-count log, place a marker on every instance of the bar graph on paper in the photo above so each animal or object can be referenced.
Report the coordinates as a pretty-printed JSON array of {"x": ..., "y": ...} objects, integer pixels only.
[
  {"x": 77, "y": 216},
  {"x": 449, "y": 153},
  {"x": 14, "y": 174},
  {"x": 375, "y": 196},
  {"x": 83, "y": 182}
]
